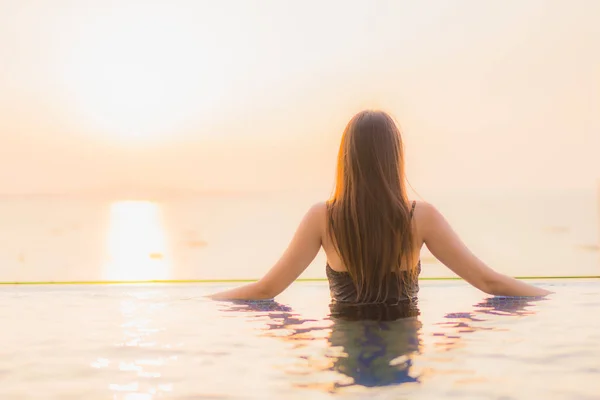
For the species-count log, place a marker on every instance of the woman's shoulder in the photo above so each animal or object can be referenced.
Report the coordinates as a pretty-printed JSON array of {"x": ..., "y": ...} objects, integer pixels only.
[
  {"x": 318, "y": 210},
  {"x": 423, "y": 208},
  {"x": 426, "y": 215},
  {"x": 319, "y": 207},
  {"x": 316, "y": 213},
  {"x": 315, "y": 218}
]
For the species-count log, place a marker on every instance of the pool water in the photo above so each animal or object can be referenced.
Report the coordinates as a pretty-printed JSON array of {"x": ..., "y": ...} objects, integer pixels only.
[{"x": 168, "y": 342}]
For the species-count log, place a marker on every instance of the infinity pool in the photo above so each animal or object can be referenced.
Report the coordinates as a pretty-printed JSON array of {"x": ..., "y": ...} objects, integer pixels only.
[{"x": 168, "y": 342}]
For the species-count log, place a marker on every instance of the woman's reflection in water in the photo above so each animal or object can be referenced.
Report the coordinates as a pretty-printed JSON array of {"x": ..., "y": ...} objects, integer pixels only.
[
  {"x": 378, "y": 342},
  {"x": 370, "y": 345}
]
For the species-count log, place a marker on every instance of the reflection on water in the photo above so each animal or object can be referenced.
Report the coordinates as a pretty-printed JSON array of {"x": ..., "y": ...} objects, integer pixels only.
[
  {"x": 365, "y": 346},
  {"x": 457, "y": 324},
  {"x": 140, "y": 373},
  {"x": 153, "y": 342},
  {"x": 362, "y": 347},
  {"x": 378, "y": 343},
  {"x": 137, "y": 245}
]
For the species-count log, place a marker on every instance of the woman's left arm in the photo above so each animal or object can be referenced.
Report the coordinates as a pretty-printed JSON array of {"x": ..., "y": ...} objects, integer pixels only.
[{"x": 301, "y": 251}]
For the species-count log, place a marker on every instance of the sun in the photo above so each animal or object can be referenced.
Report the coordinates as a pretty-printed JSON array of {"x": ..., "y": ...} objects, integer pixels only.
[{"x": 140, "y": 73}]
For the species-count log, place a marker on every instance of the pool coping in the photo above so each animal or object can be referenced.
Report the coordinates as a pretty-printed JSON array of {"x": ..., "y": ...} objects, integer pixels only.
[{"x": 184, "y": 281}]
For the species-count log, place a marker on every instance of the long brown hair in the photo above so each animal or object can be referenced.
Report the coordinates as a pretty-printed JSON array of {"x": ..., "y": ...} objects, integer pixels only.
[{"x": 369, "y": 216}]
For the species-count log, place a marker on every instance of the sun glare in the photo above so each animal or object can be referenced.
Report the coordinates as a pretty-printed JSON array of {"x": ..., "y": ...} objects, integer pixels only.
[
  {"x": 140, "y": 73},
  {"x": 136, "y": 242}
]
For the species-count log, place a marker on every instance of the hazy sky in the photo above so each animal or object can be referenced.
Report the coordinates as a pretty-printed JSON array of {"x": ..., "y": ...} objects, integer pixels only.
[{"x": 253, "y": 95}]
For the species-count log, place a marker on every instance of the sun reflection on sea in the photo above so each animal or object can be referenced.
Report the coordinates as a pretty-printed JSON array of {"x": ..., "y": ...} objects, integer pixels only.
[
  {"x": 137, "y": 245},
  {"x": 145, "y": 353}
]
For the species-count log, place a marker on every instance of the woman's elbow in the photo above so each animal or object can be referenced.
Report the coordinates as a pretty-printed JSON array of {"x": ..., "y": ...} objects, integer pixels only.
[
  {"x": 265, "y": 291},
  {"x": 491, "y": 285}
]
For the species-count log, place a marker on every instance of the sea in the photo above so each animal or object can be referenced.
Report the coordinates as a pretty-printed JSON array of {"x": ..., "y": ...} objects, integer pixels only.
[{"x": 65, "y": 238}]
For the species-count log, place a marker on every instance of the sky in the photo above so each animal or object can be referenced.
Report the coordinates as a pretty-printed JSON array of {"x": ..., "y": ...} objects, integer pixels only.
[{"x": 254, "y": 95}]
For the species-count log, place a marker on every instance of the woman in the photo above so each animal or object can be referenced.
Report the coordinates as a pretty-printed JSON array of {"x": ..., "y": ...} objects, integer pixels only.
[{"x": 371, "y": 233}]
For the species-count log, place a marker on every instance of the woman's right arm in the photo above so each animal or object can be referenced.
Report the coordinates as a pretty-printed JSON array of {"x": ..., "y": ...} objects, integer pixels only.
[{"x": 446, "y": 246}]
